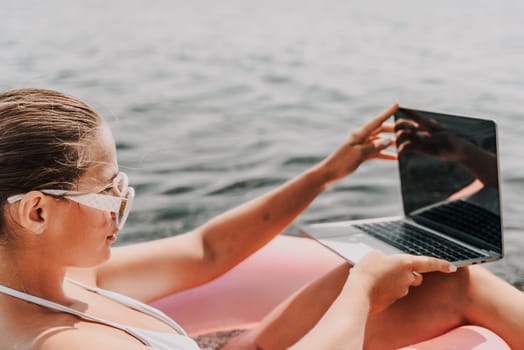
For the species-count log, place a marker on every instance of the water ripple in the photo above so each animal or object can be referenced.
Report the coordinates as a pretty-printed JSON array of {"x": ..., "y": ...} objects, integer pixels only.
[{"x": 245, "y": 185}]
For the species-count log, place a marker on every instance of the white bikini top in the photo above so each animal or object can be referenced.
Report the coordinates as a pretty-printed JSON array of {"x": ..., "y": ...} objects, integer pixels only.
[{"x": 156, "y": 340}]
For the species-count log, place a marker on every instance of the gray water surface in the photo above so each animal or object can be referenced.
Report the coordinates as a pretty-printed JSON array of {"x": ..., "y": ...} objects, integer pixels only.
[{"x": 214, "y": 103}]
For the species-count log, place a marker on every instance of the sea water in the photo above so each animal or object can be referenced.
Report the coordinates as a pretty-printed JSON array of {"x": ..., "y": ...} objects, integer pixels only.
[{"x": 214, "y": 103}]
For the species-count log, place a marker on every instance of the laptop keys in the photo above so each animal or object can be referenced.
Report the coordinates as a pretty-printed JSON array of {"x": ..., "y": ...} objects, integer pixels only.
[{"x": 414, "y": 240}]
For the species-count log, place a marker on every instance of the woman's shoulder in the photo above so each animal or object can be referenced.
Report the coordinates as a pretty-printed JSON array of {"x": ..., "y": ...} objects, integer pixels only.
[
  {"x": 28, "y": 327},
  {"x": 66, "y": 338}
]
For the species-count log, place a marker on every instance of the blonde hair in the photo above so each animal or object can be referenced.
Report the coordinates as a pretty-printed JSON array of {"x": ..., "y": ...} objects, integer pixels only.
[{"x": 44, "y": 139}]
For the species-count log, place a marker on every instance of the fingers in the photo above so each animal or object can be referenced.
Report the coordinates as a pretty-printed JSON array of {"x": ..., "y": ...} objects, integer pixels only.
[
  {"x": 389, "y": 128},
  {"x": 417, "y": 278},
  {"x": 376, "y": 143},
  {"x": 372, "y": 127},
  {"x": 375, "y": 147},
  {"x": 380, "y": 119},
  {"x": 424, "y": 264},
  {"x": 386, "y": 156}
]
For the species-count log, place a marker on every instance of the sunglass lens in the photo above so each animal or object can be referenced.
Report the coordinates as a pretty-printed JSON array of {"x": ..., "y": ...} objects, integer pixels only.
[{"x": 125, "y": 207}]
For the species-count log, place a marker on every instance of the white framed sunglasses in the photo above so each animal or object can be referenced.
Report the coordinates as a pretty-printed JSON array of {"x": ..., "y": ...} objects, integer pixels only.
[{"x": 120, "y": 206}]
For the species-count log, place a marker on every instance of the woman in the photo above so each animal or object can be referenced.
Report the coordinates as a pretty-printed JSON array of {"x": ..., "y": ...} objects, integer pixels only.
[{"x": 64, "y": 201}]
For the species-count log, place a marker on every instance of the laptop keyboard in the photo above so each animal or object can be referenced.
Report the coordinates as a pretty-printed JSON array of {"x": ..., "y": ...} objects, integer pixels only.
[
  {"x": 414, "y": 240},
  {"x": 469, "y": 218}
]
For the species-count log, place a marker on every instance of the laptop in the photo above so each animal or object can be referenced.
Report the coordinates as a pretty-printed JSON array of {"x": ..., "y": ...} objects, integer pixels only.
[{"x": 449, "y": 178}]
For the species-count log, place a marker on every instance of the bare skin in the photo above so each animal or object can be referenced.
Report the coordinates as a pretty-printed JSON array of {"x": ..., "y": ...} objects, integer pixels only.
[
  {"x": 442, "y": 302},
  {"x": 54, "y": 238}
]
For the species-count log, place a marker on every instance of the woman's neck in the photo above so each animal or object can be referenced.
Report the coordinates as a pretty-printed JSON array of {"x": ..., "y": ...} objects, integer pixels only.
[{"x": 24, "y": 271}]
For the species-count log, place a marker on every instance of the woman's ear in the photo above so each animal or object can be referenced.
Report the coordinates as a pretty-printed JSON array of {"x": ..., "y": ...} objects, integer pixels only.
[{"x": 33, "y": 211}]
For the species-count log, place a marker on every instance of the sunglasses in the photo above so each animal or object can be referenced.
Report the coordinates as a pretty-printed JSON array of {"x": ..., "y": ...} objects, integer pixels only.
[{"x": 120, "y": 205}]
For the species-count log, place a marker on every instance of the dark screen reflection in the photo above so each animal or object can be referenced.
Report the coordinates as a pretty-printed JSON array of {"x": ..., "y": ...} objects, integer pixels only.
[{"x": 449, "y": 174}]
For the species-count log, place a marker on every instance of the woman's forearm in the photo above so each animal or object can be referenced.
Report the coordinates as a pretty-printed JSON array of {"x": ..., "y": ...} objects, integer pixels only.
[
  {"x": 237, "y": 233},
  {"x": 343, "y": 325}
]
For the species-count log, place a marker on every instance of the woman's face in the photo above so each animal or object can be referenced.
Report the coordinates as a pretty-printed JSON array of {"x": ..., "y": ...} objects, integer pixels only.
[{"x": 79, "y": 235}]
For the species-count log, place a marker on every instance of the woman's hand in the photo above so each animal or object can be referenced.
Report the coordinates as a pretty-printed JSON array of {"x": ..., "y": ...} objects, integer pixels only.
[
  {"x": 388, "y": 278},
  {"x": 365, "y": 143}
]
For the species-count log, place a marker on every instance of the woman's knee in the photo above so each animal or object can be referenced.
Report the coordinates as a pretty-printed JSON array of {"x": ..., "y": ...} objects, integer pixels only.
[{"x": 448, "y": 293}]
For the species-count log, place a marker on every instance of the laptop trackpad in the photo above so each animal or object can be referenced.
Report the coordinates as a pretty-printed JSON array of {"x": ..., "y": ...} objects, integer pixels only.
[{"x": 353, "y": 248}]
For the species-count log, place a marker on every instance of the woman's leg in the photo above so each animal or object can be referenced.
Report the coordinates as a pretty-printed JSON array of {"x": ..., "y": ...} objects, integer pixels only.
[
  {"x": 442, "y": 302},
  {"x": 496, "y": 305},
  {"x": 471, "y": 296}
]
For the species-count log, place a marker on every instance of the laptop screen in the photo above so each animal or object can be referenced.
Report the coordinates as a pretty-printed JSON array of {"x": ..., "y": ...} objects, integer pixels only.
[{"x": 449, "y": 174}]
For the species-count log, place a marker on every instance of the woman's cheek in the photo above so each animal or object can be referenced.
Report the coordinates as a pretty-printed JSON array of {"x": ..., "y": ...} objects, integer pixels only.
[{"x": 98, "y": 219}]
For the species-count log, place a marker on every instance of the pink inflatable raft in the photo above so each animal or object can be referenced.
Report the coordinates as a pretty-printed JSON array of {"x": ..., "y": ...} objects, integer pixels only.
[{"x": 240, "y": 298}]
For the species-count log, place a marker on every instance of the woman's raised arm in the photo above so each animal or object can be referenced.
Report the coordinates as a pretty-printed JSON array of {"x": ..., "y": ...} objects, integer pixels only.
[{"x": 152, "y": 269}]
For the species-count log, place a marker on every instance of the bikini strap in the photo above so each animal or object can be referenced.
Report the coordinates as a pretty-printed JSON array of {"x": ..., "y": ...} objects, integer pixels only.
[
  {"x": 133, "y": 304},
  {"x": 59, "y": 307}
]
